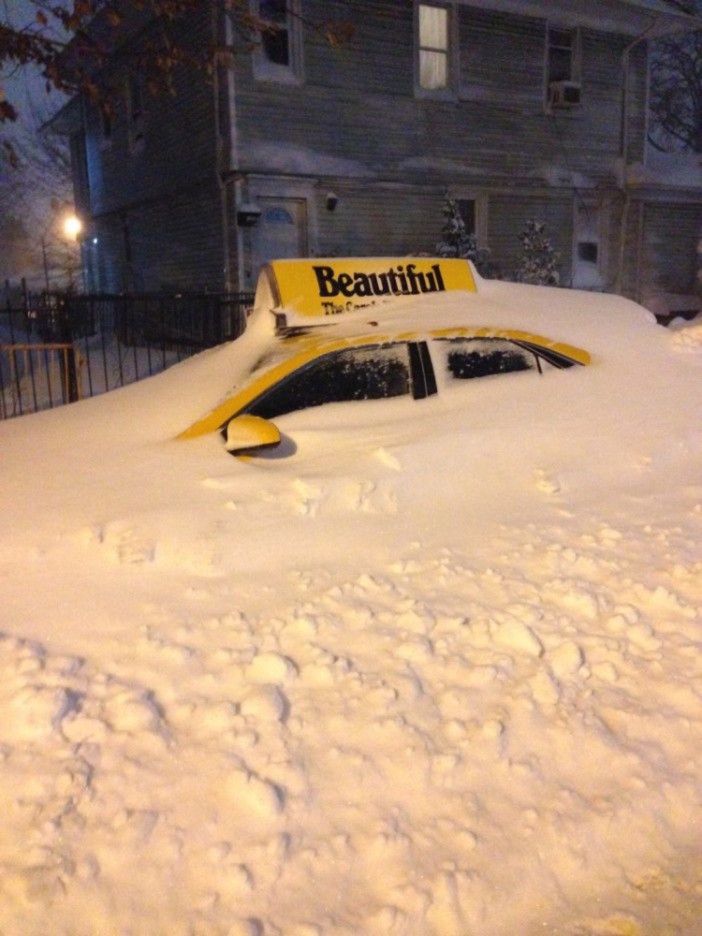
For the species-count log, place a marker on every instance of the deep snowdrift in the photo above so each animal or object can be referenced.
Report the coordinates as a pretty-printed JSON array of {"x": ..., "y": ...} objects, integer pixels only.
[{"x": 435, "y": 673}]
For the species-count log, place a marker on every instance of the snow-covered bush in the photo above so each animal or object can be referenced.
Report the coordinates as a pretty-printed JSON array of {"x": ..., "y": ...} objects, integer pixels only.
[
  {"x": 457, "y": 241},
  {"x": 538, "y": 263}
]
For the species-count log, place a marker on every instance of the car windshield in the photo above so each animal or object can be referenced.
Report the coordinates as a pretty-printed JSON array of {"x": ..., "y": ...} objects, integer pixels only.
[{"x": 366, "y": 373}]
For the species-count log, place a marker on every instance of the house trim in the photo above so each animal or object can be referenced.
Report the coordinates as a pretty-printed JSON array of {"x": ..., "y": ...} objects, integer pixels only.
[
  {"x": 266, "y": 71},
  {"x": 625, "y": 17}
]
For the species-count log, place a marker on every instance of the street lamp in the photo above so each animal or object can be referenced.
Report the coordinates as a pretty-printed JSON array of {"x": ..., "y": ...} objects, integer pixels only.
[
  {"x": 72, "y": 226},
  {"x": 67, "y": 228}
]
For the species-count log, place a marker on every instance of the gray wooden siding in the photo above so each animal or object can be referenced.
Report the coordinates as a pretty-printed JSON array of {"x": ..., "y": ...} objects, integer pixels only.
[
  {"x": 501, "y": 59},
  {"x": 372, "y": 61},
  {"x": 507, "y": 217},
  {"x": 165, "y": 194},
  {"x": 180, "y": 147},
  {"x": 372, "y": 220},
  {"x": 174, "y": 244},
  {"x": 670, "y": 235},
  {"x": 357, "y": 104},
  {"x": 354, "y": 124}
]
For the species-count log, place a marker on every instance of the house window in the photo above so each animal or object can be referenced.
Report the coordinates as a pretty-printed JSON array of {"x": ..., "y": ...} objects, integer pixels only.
[
  {"x": 277, "y": 53},
  {"x": 135, "y": 112},
  {"x": 562, "y": 67},
  {"x": 434, "y": 48},
  {"x": 466, "y": 209},
  {"x": 473, "y": 209},
  {"x": 561, "y": 54}
]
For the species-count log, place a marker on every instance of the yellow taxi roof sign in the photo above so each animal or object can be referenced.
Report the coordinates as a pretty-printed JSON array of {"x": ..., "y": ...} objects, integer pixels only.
[{"x": 336, "y": 285}]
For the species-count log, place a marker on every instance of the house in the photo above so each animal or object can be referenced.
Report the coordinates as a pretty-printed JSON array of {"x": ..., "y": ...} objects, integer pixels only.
[{"x": 297, "y": 146}]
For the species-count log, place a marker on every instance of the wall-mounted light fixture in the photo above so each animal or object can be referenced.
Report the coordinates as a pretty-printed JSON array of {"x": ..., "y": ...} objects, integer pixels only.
[
  {"x": 332, "y": 201},
  {"x": 248, "y": 214}
]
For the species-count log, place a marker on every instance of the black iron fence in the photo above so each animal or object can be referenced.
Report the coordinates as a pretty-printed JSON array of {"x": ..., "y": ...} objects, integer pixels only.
[{"x": 59, "y": 347}]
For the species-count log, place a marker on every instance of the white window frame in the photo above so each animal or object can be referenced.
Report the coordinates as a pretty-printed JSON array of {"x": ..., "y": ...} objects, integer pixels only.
[
  {"x": 450, "y": 90},
  {"x": 263, "y": 68},
  {"x": 576, "y": 56}
]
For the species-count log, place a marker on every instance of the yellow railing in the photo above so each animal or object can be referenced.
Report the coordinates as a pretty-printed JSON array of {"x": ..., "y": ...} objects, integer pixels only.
[{"x": 34, "y": 377}]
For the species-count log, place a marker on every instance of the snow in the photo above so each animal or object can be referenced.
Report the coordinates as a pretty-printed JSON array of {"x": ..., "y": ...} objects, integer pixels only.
[
  {"x": 436, "y": 672},
  {"x": 288, "y": 158},
  {"x": 679, "y": 170}
]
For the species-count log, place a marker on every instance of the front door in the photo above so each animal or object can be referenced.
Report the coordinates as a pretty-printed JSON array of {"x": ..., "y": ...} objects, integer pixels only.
[{"x": 280, "y": 232}]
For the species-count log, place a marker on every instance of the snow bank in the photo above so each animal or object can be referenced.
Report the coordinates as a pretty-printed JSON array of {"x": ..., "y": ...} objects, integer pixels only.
[{"x": 434, "y": 673}]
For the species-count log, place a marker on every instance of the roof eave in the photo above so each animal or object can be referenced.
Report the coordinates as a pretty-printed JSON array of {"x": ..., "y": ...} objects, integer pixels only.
[{"x": 623, "y": 17}]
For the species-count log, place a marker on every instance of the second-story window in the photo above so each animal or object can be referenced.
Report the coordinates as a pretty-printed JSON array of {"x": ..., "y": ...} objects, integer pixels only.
[
  {"x": 562, "y": 66},
  {"x": 275, "y": 39},
  {"x": 561, "y": 54},
  {"x": 277, "y": 55},
  {"x": 434, "y": 47}
]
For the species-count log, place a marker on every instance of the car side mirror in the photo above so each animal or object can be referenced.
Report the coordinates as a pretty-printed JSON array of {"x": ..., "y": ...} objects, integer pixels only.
[{"x": 247, "y": 433}]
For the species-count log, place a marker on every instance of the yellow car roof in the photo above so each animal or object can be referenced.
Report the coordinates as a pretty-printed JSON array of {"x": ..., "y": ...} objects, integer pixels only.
[{"x": 290, "y": 353}]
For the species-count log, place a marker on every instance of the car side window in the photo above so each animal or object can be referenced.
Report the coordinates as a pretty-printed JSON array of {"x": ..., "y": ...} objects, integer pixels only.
[
  {"x": 466, "y": 358},
  {"x": 367, "y": 373}
]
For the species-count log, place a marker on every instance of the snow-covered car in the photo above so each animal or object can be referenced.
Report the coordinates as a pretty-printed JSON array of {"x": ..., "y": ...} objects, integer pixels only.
[
  {"x": 436, "y": 674},
  {"x": 371, "y": 351}
]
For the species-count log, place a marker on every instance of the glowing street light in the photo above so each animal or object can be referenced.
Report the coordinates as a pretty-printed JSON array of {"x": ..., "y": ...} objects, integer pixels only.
[
  {"x": 62, "y": 225},
  {"x": 72, "y": 226}
]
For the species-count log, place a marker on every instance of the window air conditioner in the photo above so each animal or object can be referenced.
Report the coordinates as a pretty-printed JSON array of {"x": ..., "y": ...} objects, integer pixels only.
[{"x": 564, "y": 94}]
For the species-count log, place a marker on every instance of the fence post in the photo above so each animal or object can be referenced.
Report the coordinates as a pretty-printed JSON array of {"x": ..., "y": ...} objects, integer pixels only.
[{"x": 68, "y": 361}]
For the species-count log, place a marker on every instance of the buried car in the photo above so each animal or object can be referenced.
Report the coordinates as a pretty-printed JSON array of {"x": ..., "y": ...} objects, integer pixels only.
[
  {"x": 389, "y": 338},
  {"x": 448, "y": 651}
]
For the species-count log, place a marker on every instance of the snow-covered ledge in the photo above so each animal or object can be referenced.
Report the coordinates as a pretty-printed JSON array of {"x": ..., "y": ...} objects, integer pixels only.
[{"x": 674, "y": 170}]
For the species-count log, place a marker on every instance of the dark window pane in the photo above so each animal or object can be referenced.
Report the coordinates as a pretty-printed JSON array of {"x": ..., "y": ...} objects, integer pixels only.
[
  {"x": 275, "y": 46},
  {"x": 355, "y": 374},
  {"x": 560, "y": 65},
  {"x": 273, "y": 11},
  {"x": 560, "y": 37},
  {"x": 587, "y": 251},
  {"x": 466, "y": 209}
]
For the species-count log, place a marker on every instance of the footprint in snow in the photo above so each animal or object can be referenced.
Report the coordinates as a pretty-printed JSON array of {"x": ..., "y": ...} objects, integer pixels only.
[{"x": 545, "y": 483}]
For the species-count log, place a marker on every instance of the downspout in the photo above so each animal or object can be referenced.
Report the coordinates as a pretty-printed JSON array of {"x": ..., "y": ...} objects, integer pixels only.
[
  {"x": 226, "y": 151},
  {"x": 220, "y": 162},
  {"x": 624, "y": 155},
  {"x": 83, "y": 253},
  {"x": 691, "y": 25}
]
